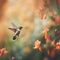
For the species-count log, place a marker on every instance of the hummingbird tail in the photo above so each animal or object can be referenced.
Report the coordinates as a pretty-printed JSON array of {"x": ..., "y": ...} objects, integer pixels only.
[{"x": 14, "y": 37}]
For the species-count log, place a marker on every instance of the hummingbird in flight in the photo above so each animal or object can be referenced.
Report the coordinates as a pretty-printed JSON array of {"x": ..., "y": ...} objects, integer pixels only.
[{"x": 16, "y": 30}]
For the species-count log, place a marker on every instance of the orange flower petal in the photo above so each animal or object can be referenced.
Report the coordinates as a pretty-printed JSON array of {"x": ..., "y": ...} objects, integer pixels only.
[
  {"x": 40, "y": 49},
  {"x": 44, "y": 16},
  {"x": 47, "y": 37},
  {"x": 5, "y": 52}
]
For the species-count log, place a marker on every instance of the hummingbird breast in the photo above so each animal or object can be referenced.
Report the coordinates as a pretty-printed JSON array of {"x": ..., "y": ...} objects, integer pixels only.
[{"x": 17, "y": 33}]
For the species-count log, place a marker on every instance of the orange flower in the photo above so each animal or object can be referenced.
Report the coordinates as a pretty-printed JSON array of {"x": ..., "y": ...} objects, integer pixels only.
[
  {"x": 53, "y": 43},
  {"x": 38, "y": 45},
  {"x": 58, "y": 46},
  {"x": 3, "y": 51},
  {"x": 47, "y": 37}
]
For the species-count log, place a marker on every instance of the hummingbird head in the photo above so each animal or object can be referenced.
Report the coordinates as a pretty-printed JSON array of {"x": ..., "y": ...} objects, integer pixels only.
[{"x": 20, "y": 28}]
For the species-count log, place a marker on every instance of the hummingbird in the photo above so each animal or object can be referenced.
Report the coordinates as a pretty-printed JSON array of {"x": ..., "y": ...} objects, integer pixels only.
[{"x": 16, "y": 30}]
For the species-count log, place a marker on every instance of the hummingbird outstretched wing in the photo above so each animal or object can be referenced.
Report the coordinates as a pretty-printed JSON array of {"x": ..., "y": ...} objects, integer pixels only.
[
  {"x": 20, "y": 27},
  {"x": 12, "y": 29},
  {"x": 14, "y": 26}
]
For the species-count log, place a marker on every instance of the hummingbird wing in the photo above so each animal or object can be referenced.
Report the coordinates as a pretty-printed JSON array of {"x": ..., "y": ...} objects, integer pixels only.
[
  {"x": 14, "y": 25},
  {"x": 13, "y": 29},
  {"x": 20, "y": 27}
]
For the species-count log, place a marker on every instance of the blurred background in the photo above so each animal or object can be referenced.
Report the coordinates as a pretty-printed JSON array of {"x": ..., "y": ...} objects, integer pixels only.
[{"x": 34, "y": 16}]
